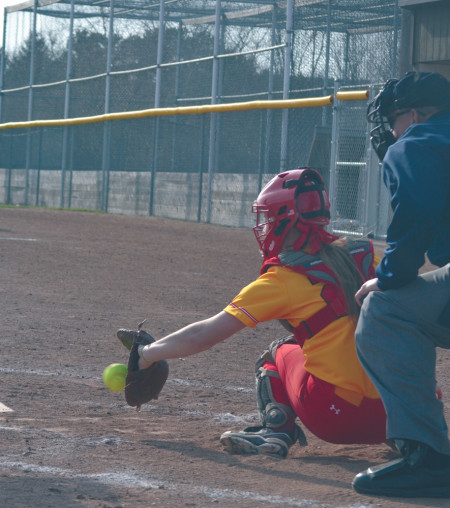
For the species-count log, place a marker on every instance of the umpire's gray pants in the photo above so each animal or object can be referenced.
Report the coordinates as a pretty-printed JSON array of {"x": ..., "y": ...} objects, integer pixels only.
[{"x": 396, "y": 339}]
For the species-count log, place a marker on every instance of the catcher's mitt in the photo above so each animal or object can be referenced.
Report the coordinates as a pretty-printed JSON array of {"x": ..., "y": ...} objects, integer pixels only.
[{"x": 141, "y": 386}]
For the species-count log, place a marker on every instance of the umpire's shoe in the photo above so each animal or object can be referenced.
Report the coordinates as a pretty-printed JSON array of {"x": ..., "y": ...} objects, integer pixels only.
[
  {"x": 261, "y": 440},
  {"x": 420, "y": 472}
]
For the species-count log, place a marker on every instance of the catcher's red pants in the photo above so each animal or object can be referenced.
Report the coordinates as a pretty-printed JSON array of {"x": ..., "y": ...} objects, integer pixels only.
[{"x": 314, "y": 401}]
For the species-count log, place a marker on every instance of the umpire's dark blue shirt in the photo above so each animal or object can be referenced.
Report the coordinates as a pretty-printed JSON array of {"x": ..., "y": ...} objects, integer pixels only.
[{"x": 416, "y": 171}]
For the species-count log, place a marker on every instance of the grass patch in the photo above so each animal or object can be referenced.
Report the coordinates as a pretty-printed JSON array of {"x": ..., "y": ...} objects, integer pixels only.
[{"x": 52, "y": 208}]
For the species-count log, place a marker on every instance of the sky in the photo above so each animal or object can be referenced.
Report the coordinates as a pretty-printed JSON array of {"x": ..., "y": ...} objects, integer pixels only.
[{"x": 3, "y": 4}]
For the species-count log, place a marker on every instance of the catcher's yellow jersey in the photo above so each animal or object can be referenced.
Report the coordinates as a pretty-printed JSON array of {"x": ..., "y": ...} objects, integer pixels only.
[{"x": 330, "y": 355}]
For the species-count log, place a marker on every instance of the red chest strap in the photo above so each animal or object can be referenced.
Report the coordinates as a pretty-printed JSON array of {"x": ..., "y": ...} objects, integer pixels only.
[
  {"x": 317, "y": 271},
  {"x": 318, "y": 321}
]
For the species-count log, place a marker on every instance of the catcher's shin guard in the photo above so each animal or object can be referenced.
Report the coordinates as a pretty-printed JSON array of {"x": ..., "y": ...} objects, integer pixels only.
[{"x": 273, "y": 413}]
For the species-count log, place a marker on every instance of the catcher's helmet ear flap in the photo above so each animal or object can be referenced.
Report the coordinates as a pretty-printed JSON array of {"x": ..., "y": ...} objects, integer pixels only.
[
  {"x": 294, "y": 196},
  {"x": 313, "y": 202}
]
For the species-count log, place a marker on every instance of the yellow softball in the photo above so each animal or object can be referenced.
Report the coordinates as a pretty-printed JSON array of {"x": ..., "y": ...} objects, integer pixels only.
[{"x": 114, "y": 376}]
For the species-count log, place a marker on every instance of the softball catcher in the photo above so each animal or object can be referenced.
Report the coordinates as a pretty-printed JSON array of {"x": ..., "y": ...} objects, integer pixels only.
[{"x": 308, "y": 280}]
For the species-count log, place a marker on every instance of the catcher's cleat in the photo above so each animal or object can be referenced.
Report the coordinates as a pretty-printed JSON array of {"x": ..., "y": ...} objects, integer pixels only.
[{"x": 261, "y": 440}]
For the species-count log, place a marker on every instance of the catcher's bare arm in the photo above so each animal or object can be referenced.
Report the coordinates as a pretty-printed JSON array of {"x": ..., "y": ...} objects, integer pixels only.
[{"x": 192, "y": 339}]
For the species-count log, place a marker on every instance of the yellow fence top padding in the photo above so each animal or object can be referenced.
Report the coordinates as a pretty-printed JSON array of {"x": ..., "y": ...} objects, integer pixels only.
[
  {"x": 191, "y": 110},
  {"x": 353, "y": 96}
]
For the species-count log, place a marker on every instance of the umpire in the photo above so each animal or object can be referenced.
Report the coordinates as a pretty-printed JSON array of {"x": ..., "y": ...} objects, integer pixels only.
[{"x": 405, "y": 316}]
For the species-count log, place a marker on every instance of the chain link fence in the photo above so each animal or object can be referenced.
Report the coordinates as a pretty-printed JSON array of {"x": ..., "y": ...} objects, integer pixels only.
[{"x": 78, "y": 58}]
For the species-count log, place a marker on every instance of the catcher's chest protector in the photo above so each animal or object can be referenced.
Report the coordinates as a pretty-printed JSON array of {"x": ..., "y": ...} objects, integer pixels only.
[{"x": 317, "y": 271}]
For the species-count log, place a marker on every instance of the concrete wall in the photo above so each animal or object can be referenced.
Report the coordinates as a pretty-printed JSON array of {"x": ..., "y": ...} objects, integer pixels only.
[{"x": 176, "y": 195}]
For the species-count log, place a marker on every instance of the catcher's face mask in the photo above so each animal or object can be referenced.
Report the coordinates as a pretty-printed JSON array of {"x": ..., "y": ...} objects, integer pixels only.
[
  {"x": 381, "y": 113},
  {"x": 263, "y": 222}
]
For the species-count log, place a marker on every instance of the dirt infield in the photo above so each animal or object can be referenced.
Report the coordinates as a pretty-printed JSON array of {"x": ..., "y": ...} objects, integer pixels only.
[{"x": 69, "y": 280}]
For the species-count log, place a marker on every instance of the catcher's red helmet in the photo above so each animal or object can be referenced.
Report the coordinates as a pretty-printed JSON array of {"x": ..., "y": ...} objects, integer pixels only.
[{"x": 292, "y": 197}]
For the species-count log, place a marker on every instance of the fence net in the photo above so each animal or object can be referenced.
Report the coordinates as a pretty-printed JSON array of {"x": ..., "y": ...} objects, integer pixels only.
[{"x": 77, "y": 58}]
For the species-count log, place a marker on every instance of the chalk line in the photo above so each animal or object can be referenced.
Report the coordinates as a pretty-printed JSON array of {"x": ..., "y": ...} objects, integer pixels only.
[
  {"x": 175, "y": 381},
  {"x": 5, "y": 409},
  {"x": 20, "y": 239},
  {"x": 146, "y": 481}
]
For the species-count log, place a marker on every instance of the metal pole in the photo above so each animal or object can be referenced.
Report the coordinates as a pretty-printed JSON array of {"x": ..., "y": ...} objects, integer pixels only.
[
  {"x": 66, "y": 105},
  {"x": 159, "y": 57},
  {"x": 370, "y": 184},
  {"x": 159, "y": 61},
  {"x": 347, "y": 44},
  {"x": 214, "y": 93},
  {"x": 33, "y": 54},
  {"x": 2, "y": 63},
  {"x": 177, "y": 94},
  {"x": 30, "y": 102},
  {"x": 2, "y": 77},
  {"x": 269, "y": 115},
  {"x": 327, "y": 62},
  {"x": 394, "y": 49},
  {"x": 201, "y": 167},
  {"x": 334, "y": 152},
  {"x": 107, "y": 127},
  {"x": 286, "y": 83},
  {"x": 38, "y": 179},
  {"x": 262, "y": 148},
  {"x": 219, "y": 95},
  {"x": 69, "y": 204},
  {"x": 8, "y": 193}
]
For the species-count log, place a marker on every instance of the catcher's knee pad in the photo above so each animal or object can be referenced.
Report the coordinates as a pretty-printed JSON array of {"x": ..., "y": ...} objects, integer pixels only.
[
  {"x": 271, "y": 412},
  {"x": 271, "y": 351}
]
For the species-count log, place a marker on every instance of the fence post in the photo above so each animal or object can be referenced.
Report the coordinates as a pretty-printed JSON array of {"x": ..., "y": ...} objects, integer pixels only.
[
  {"x": 213, "y": 123},
  {"x": 10, "y": 151},
  {"x": 286, "y": 84},
  {"x": 107, "y": 128},
  {"x": 371, "y": 189},
  {"x": 2, "y": 77},
  {"x": 2, "y": 63},
  {"x": 396, "y": 29},
  {"x": 177, "y": 96},
  {"x": 66, "y": 107},
  {"x": 201, "y": 165},
  {"x": 334, "y": 152},
  {"x": 159, "y": 60},
  {"x": 327, "y": 62},
  {"x": 270, "y": 86},
  {"x": 30, "y": 103},
  {"x": 69, "y": 204},
  {"x": 38, "y": 176}
]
